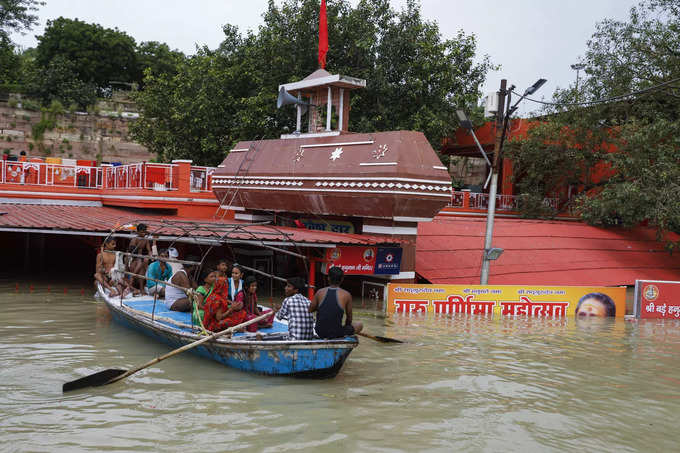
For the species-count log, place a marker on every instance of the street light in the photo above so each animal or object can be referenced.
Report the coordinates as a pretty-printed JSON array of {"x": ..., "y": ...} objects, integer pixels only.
[
  {"x": 502, "y": 120},
  {"x": 577, "y": 67}
]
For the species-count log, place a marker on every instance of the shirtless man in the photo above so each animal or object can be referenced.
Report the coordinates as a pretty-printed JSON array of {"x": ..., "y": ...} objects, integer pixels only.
[
  {"x": 141, "y": 246},
  {"x": 331, "y": 303},
  {"x": 104, "y": 264}
]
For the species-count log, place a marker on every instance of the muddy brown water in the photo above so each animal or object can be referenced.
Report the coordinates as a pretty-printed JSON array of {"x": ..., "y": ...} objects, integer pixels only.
[{"x": 462, "y": 383}]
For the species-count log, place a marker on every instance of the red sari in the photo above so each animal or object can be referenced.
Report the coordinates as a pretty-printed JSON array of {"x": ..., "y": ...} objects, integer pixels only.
[{"x": 219, "y": 300}]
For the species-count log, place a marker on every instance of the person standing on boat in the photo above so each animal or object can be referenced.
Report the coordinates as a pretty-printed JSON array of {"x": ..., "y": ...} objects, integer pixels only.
[
  {"x": 175, "y": 298},
  {"x": 158, "y": 270},
  {"x": 139, "y": 245},
  {"x": 249, "y": 299},
  {"x": 331, "y": 303},
  {"x": 295, "y": 309}
]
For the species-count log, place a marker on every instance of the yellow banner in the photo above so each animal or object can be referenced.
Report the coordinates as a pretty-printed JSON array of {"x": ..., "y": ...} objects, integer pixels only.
[{"x": 507, "y": 300}]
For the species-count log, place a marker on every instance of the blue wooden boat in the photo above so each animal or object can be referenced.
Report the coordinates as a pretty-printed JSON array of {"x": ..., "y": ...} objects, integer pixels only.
[{"x": 265, "y": 352}]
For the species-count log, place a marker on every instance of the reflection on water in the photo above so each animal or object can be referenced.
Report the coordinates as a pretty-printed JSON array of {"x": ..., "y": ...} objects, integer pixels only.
[{"x": 464, "y": 383}]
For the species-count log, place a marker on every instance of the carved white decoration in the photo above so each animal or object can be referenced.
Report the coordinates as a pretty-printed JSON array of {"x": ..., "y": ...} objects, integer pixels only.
[
  {"x": 380, "y": 152},
  {"x": 299, "y": 155},
  {"x": 335, "y": 155}
]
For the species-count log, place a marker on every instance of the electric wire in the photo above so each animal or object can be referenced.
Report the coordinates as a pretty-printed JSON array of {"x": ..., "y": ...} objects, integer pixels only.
[{"x": 604, "y": 100}]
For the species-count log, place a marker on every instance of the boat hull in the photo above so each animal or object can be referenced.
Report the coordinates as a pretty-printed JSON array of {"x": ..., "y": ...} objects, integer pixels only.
[{"x": 309, "y": 359}]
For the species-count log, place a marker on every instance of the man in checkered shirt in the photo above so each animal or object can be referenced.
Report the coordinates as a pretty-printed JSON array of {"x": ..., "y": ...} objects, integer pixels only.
[{"x": 295, "y": 309}]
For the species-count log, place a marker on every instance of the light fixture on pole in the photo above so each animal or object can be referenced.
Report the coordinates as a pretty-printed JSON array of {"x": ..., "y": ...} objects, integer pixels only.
[
  {"x": 577, "y": 67},
  {"x": 502, "y": 120}
]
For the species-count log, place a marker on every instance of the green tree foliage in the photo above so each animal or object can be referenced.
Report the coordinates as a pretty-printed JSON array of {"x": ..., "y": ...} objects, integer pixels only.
[
  {"x": 58, "y": 82},
  {"x": 99, "y": 55},
  {"x": 18, "y": 15},
  {"x": 15, "y": 16},
  {"x": 415, "y": 79},
  {"x": 620, "y": 156},
  {"x": 158, "y": 58}
]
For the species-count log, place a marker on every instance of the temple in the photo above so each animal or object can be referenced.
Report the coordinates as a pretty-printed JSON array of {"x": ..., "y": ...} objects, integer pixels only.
[{"x": 382, "y": 183}]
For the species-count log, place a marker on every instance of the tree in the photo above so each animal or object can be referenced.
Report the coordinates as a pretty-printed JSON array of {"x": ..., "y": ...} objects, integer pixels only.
[
  {"x": 158, "y": 58},
  {"x": 18, "y": 15},
  {"x": 415, "y": 79},
  {"x": 59, "y": 82},
  {"x": 620, "y": 150},
  {"x": 99, "y": 55},
  {"x": 15, "y": 16}
]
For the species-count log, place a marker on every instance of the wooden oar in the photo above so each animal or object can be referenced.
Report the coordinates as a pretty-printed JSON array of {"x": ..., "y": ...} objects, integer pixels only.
[
  {"x": 112, "y": 375},
  {"x": 380, "y": 339}
]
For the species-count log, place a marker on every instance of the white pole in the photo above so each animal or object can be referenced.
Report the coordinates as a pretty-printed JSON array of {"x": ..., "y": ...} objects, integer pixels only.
[
  {"x": 328, "y": 110},
  {"x": 298, "y": 108},
  {"x": 342, "y": 101}
]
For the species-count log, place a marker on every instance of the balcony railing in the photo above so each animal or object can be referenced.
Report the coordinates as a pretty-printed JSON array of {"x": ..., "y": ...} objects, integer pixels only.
[
  {"x": 480, "y": 201},
  {"x": 45, "y": 174},
  {"x": 149, "y": 176}
]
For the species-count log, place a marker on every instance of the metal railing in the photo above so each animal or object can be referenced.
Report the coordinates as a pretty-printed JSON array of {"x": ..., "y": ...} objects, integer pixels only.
[
  {"x": 201, "y": 179},
  {"x": 480, "y": 201},
  {"x": 149, "y": 176},
  {"x": 48, "y": 174}
]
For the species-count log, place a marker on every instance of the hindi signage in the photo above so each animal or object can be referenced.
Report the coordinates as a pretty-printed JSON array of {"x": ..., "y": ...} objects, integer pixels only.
[
  {"x": 657, "y": 299},
  {"x": 507, "y": 300},
  {"x": 364, "y": 260}
]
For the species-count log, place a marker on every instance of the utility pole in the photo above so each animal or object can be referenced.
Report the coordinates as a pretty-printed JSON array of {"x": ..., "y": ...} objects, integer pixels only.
[{"x": 500, "y": 118}]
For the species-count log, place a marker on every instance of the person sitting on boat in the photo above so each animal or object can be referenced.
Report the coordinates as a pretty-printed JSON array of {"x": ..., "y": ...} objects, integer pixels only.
[
  {"x": 202, "y": 293},
  {"x": 220, "y": 311},
  {"x": 222, "y": 268},
  {"x": 158, "y": 270},
  {"x": 174, "y": 254},
  {"x": 235, "y": 282},
  {"x": 295, "y": 309},
  {"x": 105, "y": 270},
  {"x": 249, "y": 298},
  {"x": 330, "y": 303},
  {"x": 139, "y": 245},
  {"x": 177, "y": 299}
]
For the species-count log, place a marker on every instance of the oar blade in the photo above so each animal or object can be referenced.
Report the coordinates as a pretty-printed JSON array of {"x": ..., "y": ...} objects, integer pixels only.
[
  {"x": 93, "y": 380},
  {"x": 387, "y": 339}
]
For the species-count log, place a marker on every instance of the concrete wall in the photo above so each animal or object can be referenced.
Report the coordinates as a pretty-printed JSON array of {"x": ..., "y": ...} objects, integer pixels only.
[{"x": 77, "y": 136}]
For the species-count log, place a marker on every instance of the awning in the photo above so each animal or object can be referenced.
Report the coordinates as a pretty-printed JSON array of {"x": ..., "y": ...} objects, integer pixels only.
[
  {"x": 99, "y": 221},
  {"x": 541, "y": 252}
]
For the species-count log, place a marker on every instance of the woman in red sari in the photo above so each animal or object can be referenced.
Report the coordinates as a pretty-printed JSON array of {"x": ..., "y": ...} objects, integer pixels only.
[
  {"x": 220, "y": 312},
  {"x": 249, "y": 298}
]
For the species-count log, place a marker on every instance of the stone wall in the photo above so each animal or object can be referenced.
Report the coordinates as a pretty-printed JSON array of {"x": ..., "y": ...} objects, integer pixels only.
[{"x": 77, "y": 136}]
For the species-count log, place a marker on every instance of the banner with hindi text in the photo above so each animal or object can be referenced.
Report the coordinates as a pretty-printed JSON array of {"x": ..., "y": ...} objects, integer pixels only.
[
  {"x": 657, "y": 299},
  {"x": 507, "y": 300}
]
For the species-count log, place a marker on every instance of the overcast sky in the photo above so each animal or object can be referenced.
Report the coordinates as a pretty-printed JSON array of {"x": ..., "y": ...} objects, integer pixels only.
[{"x": 530, "y": 39}]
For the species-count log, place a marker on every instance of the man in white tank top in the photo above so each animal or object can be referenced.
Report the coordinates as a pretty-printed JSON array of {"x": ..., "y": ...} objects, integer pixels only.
[{"x": 175, "y": 298}]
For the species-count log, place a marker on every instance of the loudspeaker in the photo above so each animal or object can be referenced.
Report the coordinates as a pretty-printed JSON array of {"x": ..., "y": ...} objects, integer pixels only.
[{"x": 285, "y": 98}]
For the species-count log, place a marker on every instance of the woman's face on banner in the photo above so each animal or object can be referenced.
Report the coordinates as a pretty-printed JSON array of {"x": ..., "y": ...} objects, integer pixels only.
[{"x": 592, "y": 307}]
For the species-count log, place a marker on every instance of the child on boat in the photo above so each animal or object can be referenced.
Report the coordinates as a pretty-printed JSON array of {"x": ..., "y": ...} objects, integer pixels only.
[{"x": 249, "y": 298}]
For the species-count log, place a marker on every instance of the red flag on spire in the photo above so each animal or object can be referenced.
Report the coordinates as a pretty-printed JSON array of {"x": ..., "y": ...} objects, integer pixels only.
[{"x": 323, "y": 35}]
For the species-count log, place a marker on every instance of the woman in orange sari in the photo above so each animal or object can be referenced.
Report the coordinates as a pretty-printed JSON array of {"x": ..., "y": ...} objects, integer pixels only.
[{"x": 220, "y": 312}]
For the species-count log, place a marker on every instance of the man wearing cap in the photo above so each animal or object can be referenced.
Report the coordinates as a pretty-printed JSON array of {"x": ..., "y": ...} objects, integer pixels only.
[{"x": 295, "y": 309}]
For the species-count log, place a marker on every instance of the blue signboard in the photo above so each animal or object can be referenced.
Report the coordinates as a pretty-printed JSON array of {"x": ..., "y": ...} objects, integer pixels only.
[{"x": 388, "y": 261}]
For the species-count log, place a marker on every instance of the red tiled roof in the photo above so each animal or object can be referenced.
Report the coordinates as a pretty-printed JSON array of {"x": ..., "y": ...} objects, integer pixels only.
[
  {"x": 91, "y": 219},
  {"x": 540, "y": 252}
]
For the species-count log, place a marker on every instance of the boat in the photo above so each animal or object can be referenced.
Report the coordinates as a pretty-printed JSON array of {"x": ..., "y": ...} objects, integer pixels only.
[{"x": 266, "y": 351}]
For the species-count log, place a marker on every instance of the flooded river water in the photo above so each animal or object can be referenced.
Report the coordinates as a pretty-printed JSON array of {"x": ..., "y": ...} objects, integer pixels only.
[{"x": 458, "y": 384}]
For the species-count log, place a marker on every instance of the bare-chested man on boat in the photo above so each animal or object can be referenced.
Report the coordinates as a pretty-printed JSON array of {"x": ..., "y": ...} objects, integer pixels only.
[{"x": 105, "y": 272}]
